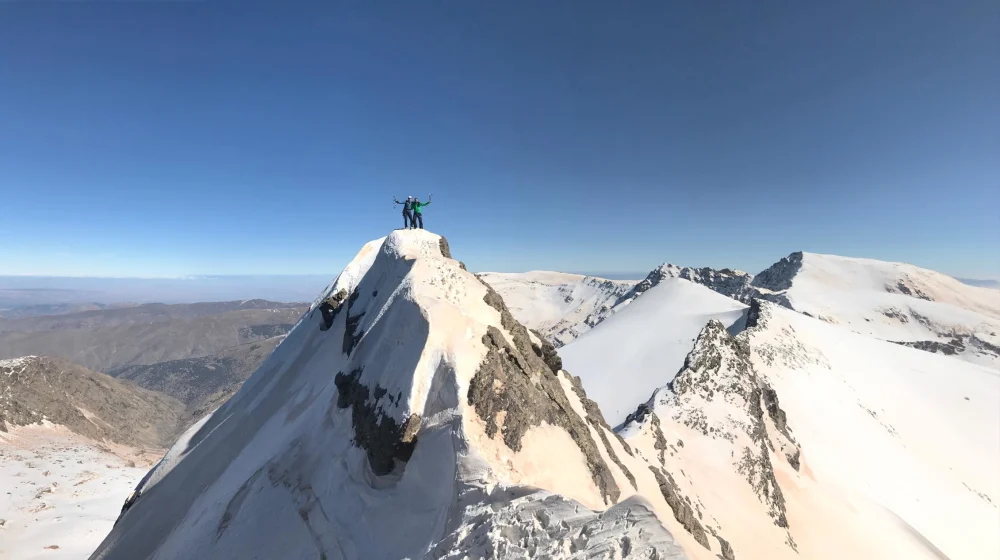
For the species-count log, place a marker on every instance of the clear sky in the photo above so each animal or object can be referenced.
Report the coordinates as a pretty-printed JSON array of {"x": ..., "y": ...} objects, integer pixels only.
[{"x": 188, "y": 138}]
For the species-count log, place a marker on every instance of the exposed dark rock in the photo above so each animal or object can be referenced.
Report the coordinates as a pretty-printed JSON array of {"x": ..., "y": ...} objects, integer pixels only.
[
  {"x": 383, "y": 438},
  {"x": 351, "y": 335},
  {"x": 639, "y": 415},
  {"x": 950, "y": 348},
  {"x": 896, "y": 314},
  {"x": 659, "y": 442},
  {"x": 727, "y": 551},
  {"x": 683, "y": 512},
  {"x": 547, "y": 353},
  {"x": 753, "y": 314},
  {"x": 718, "y": 366},
  {"x": 728, "y": 282},
  {"x": 795, "y": 459},
  {"x": 518, "y": 383},
  {"x": 445, "y": 249},
  {"x": 902, "y": 288},
  {"x": 757, "y": 466},
  {"x": 330, "y": 307},
  {"x": 600, "y": 425},
  {"x": 517, "y": 331},
  {"x": 780, "y": 274},
  {"x": 958, "y": 344},
  {"x": 774, "y": 410}
]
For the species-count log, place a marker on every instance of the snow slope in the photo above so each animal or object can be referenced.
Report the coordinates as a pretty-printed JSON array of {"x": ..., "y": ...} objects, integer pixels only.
[
  {"x": 802, "y": 439},
  {"x": 643, "y": 345},
  {"x": 916, "y": 434},
  {"x": 61, "y": 491},
  {"x": 891, "y": 301},
  {"x": 408, "y": 416},
  {"x": 560, "y": 306}
]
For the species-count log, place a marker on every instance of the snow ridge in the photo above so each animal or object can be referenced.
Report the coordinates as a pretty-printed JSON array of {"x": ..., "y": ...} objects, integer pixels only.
[{"x": 407, "y": 415}]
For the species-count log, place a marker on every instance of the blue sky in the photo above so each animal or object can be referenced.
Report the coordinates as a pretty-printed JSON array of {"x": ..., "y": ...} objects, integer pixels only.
[{"x": 190, "y": 138}]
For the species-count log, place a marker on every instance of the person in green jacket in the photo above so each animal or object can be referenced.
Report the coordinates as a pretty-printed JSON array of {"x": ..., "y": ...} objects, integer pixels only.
[{"x": 418, "y": 218}]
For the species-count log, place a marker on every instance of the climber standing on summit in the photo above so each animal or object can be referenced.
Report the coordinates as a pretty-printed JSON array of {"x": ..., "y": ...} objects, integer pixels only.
[
  {"x": 418, "y": 216},
  {"x": 407, "y": 215}
]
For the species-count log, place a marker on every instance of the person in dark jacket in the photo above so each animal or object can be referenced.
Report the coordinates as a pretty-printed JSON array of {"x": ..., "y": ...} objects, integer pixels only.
[
  {"x": 407, "y": 212},
  {"x": 418, "y": 215}
]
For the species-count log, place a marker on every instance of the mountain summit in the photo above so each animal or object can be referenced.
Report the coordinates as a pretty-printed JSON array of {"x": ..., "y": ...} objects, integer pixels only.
[{"x": 408, "y": 415}]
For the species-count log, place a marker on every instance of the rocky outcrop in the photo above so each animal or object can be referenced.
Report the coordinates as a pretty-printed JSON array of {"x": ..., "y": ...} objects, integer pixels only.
[
  {"x": 547, "y": 352},
  {"x": 683, "y": 512},
  {"x": 330, "y": 307},
  {"x": 445, "y": 249},
  {"x": 957, "y": 344},
  {"x": 515, "y": 383},
  {"x": 728, "y": 282},
  {"x": 779, "y": 275},
  {"x": 383, "y": 439},
  {"x": 514, "y": 391},
  {"x": 901, "y": 287},
  {"x": 718, "y": 373}
]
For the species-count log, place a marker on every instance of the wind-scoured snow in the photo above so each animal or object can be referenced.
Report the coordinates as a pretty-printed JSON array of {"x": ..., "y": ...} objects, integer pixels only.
[
  {"x": 890, "y": 426},
  {"x": 798, "y": 438},
  {"x": 892, "y": 301},
  {"x": 643, "y": 345},
  {"x": 558, "y": 305},
  {"x": 407, "y": 416}
]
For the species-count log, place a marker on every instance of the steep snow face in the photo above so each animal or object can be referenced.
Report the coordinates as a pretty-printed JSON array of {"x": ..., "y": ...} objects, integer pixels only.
[
  {"x": 891, "y": 301},
  {"x": 559, "y": 306},
  {"x": 801, "y": 439},
  {"x": 917, "y": 434},
  {"x": 643, "y": 345},
  {"x": 407, "y": 416}
]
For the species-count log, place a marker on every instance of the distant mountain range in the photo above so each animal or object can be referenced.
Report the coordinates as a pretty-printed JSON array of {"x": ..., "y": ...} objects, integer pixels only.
[
  {"x": 112, "y": 338},
  {"x": 41, "y": 389}
]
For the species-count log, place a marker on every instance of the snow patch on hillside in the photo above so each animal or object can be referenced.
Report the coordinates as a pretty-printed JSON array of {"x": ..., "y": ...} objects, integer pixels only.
[
  {"x": 892, "y": 301},
  {"x": 560, "y": 306},
  {"x": 61, "y": 491}
]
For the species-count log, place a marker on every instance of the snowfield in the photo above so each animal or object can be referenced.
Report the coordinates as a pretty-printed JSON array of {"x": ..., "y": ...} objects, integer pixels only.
[
  {"x": 625, "y": 358},
  {"x": 798, "y": 438},
  {"x": 560, "y": 306},
  {"x": 61, "y": 492},
  {"x": 891, "y": 301}
]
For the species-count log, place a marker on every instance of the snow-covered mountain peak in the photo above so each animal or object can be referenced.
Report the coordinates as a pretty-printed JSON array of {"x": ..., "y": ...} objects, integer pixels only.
[
  {"x": 407, "y": 415},
  {"x": 560, "y": 306},
  {"x": 729, "y": 282},
  {"x": 892, "y": 301}
]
